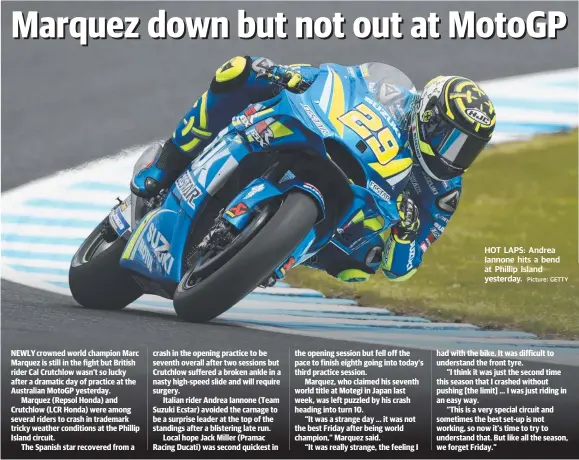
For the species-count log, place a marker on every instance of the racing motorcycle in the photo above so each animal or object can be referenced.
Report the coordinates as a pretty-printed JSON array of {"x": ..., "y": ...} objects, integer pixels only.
[{"x": 272, "y": 189}]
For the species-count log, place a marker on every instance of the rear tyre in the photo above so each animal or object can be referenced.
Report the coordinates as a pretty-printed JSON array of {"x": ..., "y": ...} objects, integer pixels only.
[
  {"x": 250, "y": 265},
  {"x": 95, "y": 277}
]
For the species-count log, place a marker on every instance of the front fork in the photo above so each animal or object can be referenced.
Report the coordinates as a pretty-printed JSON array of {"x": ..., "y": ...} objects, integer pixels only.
[
  {"x": 119, "y": 220},
  {"x": 125, "y": 216},
  {"x": 240, "y": 210}
]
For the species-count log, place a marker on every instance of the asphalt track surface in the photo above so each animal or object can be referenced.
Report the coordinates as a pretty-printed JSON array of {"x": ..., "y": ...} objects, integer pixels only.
[{"x": 63, "y": 105}]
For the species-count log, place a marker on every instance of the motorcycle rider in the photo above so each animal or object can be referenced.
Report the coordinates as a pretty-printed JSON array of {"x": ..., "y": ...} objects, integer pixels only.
[{"x": 449, "y": 123}]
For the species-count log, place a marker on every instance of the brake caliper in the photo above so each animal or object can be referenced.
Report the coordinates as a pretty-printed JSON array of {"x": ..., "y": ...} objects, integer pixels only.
[{"x": 218, "y": 237}]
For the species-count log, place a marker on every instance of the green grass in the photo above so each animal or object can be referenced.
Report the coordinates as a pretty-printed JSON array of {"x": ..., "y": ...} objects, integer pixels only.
[{"x": 520, "y": 194}]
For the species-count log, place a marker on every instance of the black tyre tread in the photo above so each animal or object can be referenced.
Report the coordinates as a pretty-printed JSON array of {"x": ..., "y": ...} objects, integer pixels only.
[
  {"x": 252, "y": 264},
  {"x": 101, "y": 283}
]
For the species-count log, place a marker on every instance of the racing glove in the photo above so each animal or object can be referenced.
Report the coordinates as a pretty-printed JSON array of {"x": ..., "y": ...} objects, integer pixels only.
[
  {"x": 287, "y": 78},
  {"x": 406, "y": 230}
]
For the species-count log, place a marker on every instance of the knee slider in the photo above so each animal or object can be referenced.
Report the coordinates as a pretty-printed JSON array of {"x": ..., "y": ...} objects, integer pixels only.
[
  {"x": 353, "y": 275},
  {"x": 231, "y": 75},
  {"x": 399, "y": 278}
]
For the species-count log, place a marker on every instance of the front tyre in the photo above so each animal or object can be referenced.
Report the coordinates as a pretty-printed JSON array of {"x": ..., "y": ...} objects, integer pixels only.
[
  {"x": 95, "y": 277},
  {"x": 250, "y": 265}
]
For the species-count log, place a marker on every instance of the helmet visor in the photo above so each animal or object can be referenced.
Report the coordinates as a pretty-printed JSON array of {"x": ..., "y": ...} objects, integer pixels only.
[{"x": 456, "y": 148}]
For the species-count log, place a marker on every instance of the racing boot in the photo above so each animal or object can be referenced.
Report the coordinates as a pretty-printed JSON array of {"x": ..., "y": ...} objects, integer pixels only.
[
  {"x": 363, "y": 261},
  {"x": 159, "y": 166}
]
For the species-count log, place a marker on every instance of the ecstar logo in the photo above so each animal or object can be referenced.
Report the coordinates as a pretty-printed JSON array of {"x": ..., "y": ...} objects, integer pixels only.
[
  {"x": 325, "y": 131},
  {"x": 379, "y": 191}
]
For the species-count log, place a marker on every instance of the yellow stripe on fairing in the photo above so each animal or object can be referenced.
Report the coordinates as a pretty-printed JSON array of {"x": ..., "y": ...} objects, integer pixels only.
[
  {"x": 279, "y": 130},
  {"x": 374, "y": 224},
  {"x": 392, "y": 168},
  {"x": 338, "y": 103},
  {"x": 128, "y": 253},
  {"x": 359, "y": 217}
]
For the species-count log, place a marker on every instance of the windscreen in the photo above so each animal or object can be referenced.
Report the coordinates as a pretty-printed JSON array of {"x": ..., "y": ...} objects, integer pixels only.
[{"x": 391, "y": 88}]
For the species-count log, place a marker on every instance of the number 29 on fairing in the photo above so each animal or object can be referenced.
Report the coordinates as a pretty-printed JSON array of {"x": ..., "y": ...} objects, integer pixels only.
[{"x": 369, "y": 126}]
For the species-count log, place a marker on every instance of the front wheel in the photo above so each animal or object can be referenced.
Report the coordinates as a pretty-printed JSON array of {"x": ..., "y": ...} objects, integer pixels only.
[
  {"x": 248, "y": 263},
  {"x": 95, "y": 277}
]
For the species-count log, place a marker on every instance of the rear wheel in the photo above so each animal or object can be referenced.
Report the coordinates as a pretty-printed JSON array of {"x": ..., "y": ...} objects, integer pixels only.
[
  {"x": 217, "y": 281},
  {"x": 95, "y": 277}
]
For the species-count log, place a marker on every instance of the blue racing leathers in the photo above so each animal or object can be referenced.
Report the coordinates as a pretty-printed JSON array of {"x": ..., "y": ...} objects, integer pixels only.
[
  {"x": 245, "y": 80},
  {"x": 436, "y": 202},
  {"x": 397, "y": 256},
  {"x": 237, "y": 83}
]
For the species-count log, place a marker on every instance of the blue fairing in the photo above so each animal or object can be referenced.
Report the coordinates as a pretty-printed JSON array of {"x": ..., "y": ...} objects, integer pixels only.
[{"x": 337, "y": 106}]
